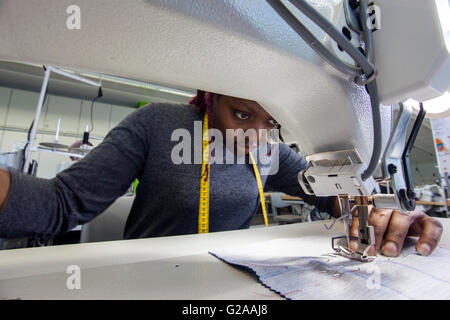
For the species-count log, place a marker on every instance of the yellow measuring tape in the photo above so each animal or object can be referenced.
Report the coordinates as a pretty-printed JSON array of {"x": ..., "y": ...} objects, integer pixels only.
[
  {"x": 260, "y": 187},
  {"x": 203, "y": 214}
]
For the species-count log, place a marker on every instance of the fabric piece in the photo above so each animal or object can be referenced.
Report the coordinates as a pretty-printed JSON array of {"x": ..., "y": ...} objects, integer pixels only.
[{"x": 308, "y": 268}]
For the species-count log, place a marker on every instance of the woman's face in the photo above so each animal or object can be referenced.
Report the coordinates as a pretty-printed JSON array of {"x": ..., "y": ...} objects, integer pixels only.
[{"x": 237, "y": 113}]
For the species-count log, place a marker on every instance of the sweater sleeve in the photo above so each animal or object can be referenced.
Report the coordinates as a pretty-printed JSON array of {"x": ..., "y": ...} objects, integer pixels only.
[
  {"x": 75, "y": 196},
  {"x": 285, "y": 179}
]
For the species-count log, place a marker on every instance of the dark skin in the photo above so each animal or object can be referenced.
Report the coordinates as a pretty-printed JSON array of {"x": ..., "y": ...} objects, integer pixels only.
[
  {"x": 235, "y": 113},
  {"x": 391, "y": 226}
]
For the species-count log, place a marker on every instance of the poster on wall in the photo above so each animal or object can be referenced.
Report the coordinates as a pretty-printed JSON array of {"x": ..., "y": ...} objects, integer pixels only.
[{"x": 441, "y": 132}]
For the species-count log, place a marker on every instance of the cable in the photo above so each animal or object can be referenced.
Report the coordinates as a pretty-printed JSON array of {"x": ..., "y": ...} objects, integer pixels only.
[
  {"x": 100, "y": 94},
  {"x": 366, "y": 67},
  {"x": 366, "y": 32},
  {"x": 336, "y": 35},
  {"x": 92, "y": 114},
  {"x": 312, "y": 41},
  {"x": 372, "y": 89},
  {"x": 26, "y": 145}
]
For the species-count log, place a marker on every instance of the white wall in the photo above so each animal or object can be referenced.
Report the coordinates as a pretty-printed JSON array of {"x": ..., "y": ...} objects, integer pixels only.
[{"x": 18, "y": 108}]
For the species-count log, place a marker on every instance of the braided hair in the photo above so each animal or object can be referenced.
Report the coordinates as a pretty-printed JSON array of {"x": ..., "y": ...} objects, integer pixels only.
[{"x": 204, "y": 102}]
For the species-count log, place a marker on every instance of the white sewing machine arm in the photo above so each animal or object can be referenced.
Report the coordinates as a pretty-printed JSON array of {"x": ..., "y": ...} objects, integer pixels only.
[{"x": 245, "y": 49}]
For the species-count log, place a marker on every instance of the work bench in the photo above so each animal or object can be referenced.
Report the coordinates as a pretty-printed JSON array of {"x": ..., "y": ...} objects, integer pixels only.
[{"x": 177, "y": 267}]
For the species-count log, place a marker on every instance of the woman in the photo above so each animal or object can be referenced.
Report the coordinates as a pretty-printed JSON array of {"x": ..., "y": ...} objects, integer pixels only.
[{"x": 167, "y": 198}]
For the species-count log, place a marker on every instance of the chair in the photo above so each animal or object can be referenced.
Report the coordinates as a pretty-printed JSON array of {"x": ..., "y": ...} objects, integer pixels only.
[
  {"x": 276, "y": 202},
  {"x": 110, "y": 224}
]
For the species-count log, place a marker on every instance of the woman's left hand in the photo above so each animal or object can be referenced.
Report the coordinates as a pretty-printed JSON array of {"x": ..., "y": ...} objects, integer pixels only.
[{"x": 392, "y": 227}]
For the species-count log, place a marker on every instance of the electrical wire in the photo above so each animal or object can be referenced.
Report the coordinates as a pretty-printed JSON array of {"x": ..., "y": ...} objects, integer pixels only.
[
  {"x": 92, "y": 115},
  {"x": 364, "y": 62},
  {"x": 366, "y": 32},
  {"x": 312, "y": 41},
  {"x": 336, "y": 35},
  {"x": 372, "y": 89},
  {"x": 100, "y": 94}
]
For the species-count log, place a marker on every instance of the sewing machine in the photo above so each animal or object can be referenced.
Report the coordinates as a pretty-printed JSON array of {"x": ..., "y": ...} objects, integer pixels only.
[{"x": 279, "y": 55}]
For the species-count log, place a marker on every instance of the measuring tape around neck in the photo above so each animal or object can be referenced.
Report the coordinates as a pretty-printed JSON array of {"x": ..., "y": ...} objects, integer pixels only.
[{"x": 203, "y": 214}]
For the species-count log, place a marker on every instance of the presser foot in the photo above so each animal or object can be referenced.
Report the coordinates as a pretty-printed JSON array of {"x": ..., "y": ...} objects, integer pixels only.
[
  {"x": 360, "y": 255},
  {"x": 366, "y": 235}
]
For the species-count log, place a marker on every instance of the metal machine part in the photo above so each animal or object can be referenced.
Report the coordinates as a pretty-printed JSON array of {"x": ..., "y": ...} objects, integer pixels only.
[
  {"x": 392, "y": 166},
  {"x": 395, "y": 167},
  {"x": 366, "y": 233},
  {"x": 335, "y": 173},
  {"x": 339, "y": 173},
  {"x": 395, "y": 162},
  {"x": 342, "y": 175}
]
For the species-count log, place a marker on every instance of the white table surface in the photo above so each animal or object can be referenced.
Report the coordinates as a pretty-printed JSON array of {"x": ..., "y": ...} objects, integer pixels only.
[{"x": 177, "y": 267}]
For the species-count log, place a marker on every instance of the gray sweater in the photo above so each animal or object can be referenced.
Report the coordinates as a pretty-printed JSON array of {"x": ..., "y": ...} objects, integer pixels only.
[{"x": 167, "y": 197}]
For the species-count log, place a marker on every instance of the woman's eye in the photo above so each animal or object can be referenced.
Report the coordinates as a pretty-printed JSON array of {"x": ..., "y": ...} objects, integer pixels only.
[{"x": 242, "y": 115}]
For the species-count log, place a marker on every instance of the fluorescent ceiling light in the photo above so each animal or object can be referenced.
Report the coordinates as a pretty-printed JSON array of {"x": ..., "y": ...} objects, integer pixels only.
[
  {"x": 436, "y": 108},
  {"x": 134, "y": 83},
  {"x": 129, "y": 82}
]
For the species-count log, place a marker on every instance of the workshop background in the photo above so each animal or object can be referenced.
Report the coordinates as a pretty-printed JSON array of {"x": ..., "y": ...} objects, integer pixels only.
[{"x": 69, "y": 101}]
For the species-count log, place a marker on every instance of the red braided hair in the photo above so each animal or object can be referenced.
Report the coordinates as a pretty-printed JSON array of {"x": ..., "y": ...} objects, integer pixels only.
[{"x": 204, "y": 101}]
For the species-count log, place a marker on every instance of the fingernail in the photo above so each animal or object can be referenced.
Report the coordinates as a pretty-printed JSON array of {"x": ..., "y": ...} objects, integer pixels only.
[
  {"x": 423, "y": 249},
  {"x": 390, "y": 249},
  {"x": 354, "y": 245},
  {"x": 372, "y": 251}
]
